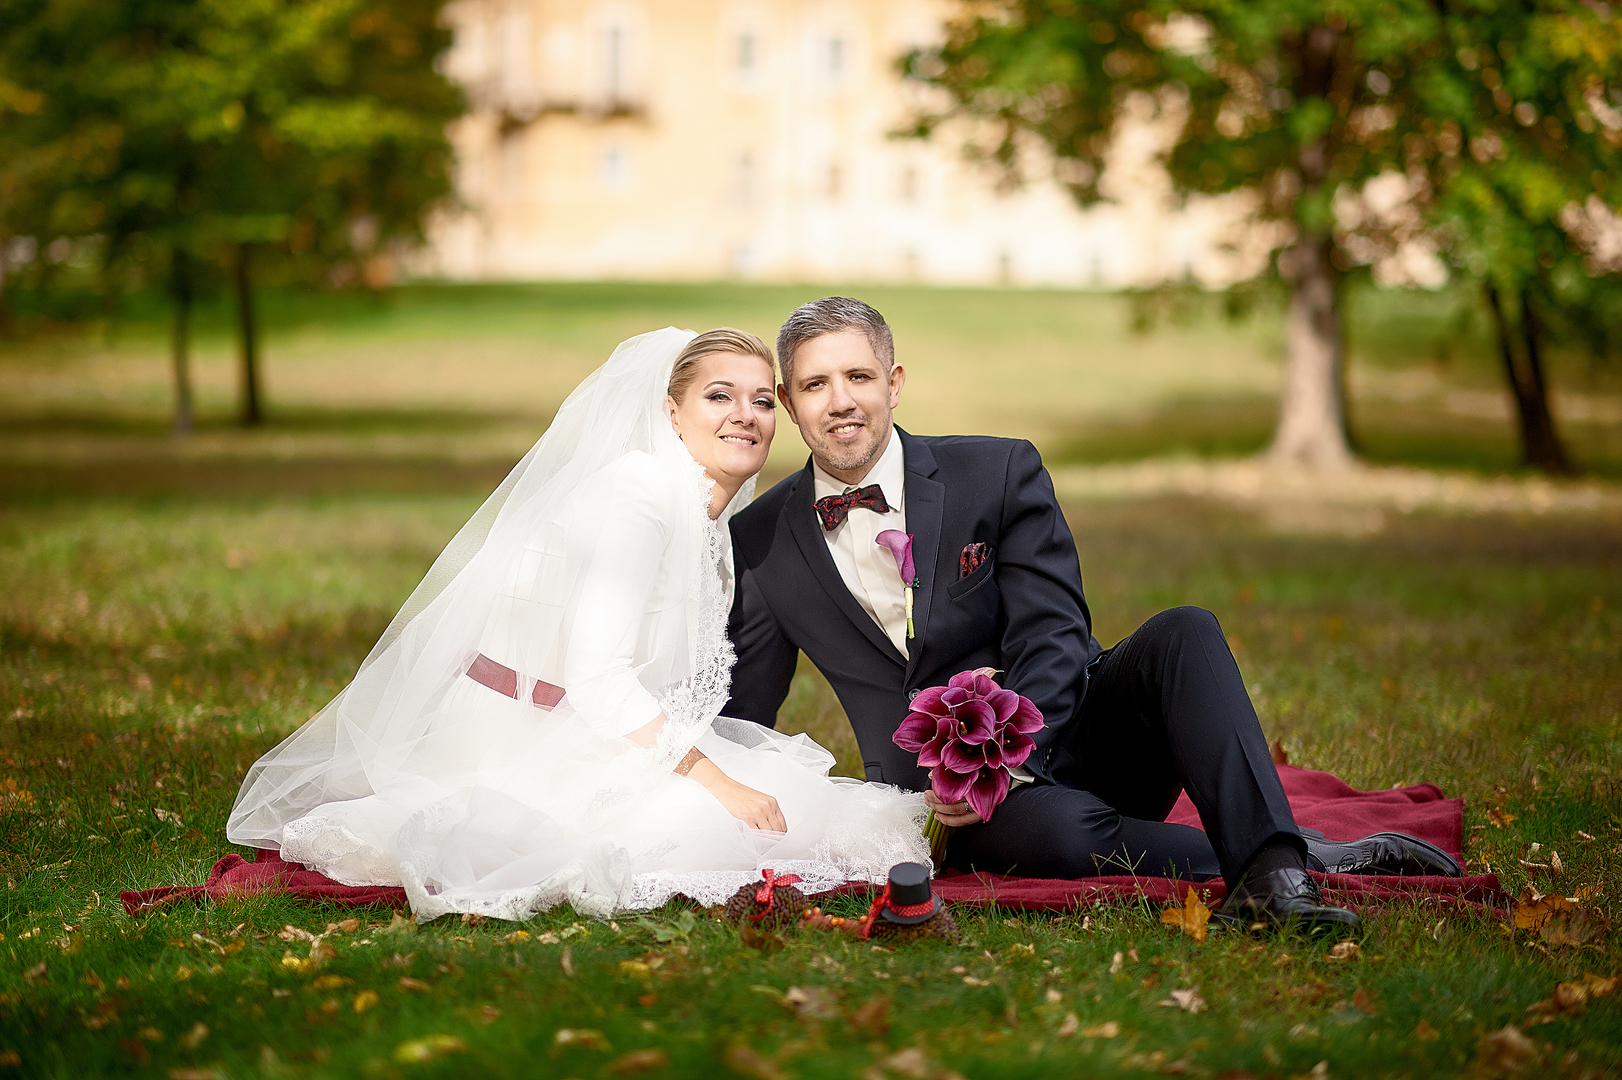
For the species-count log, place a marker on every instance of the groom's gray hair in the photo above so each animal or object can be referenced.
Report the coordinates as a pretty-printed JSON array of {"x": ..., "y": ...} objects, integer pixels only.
[{"x": 833, "y": 315}]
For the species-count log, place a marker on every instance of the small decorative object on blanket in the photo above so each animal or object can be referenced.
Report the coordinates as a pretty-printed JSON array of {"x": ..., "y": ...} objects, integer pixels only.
[
  {"x": 771, "y": 903},
  {"x": 970, "y": 733}
]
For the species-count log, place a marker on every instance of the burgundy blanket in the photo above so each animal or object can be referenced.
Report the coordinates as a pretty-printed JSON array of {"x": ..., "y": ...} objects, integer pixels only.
[{"x": 1321, "y": 801}]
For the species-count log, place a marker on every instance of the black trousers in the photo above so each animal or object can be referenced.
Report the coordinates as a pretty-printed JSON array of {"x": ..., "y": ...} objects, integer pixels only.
[{"x": 1166, "y": 711}]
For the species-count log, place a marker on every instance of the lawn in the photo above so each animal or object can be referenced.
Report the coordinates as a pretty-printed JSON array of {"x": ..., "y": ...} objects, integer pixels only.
[{"x": 170, "y": 611}]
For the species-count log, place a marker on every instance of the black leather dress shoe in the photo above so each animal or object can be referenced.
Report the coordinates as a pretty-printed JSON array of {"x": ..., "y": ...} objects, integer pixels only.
[
  {"x": 1381, "y": 853},
  {"x": 1286, "y": 898}
]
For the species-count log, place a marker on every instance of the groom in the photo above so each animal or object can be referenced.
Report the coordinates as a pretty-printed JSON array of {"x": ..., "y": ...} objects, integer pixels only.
[{"x": 1127, "y": 729}]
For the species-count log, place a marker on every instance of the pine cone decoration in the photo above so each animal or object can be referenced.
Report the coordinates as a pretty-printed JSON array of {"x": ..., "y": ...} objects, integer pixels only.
[
  {"x": 786, "y": 908},
  {"x": 939, "y": 925}
]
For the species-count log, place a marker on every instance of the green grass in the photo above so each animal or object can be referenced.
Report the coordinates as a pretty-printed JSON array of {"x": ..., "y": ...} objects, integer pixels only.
[{"x": 150, "y": 649}]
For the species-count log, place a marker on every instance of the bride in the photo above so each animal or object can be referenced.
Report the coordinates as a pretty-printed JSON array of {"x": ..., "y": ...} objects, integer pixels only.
[{"x": 539, "y": 723}]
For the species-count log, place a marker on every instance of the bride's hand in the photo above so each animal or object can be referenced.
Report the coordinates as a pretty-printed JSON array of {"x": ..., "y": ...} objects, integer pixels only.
[
  {"x": 955, "y": 814},
  {"x": 755, "y": 809}
]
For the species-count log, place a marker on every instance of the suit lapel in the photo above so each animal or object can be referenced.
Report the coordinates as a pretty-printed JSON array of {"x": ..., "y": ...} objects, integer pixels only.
[
  {"x": 926, "y": 502},
  {"x": 802, "y": 525}
]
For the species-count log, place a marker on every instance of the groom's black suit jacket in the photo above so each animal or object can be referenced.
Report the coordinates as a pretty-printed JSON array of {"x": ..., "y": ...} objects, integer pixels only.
[{"x": 1022, "y": 611}]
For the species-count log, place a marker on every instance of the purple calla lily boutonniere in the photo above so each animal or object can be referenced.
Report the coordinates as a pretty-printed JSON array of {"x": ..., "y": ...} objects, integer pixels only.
[
  {"x": 970, "y": 734},
  {"x": 899, "y": 545}
]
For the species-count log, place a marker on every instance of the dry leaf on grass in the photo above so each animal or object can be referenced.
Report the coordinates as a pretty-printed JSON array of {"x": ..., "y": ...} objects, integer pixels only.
[
  {"x": 1190, "y": 918},
  {"x": 566, "y": 960},
  {"x": 366, "y": 999},
  {"x": 1117, "y": 962},
  {"x": 427, "y": 1048},
  {"x": 330, "y": 982},
  {"x": 872, "y": 1017},
  {"x": 746, "y": 1061},
  {"x": 1425, "y": 1033},
  {"x": 35, "y": 974},
  {"x": 1345, "y": 950},
  {"x": 1188, "y": 1000},
  {"x": 1499, "y": 818},
  {"x": 408, "y": 983},
  {"x": 399, "y": 923},
  {"x": 1107, "y": 1030},
  {"x": 639, "y": 1061},
  {"x": 584, "y": 1038},
  {"x": 812, "y": 1002},
  {"x": 1533, "y": 909},
  {"x": 1070, "y": 1026},
  {"x": 1583, "y": 926},
  {"x": 1571, "y": 998},
  {"x": 1506, "y": 1049},
  {"x": 194, "y": 1038},
  {"x": 1364, "y": 1002},
  {"x": 1280, "y": 757}
]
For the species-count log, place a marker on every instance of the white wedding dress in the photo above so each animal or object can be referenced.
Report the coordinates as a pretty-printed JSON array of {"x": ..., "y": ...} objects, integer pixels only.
[{"x": 596, "y": 570}]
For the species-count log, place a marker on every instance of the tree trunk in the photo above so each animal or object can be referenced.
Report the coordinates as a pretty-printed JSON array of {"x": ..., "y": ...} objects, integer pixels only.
[
  {"x": 180, "y": 287},
  {"x": 248, "y": 333},
  {"x": 1540, "y": 442},
  {"x": 1312, "y": 408}
]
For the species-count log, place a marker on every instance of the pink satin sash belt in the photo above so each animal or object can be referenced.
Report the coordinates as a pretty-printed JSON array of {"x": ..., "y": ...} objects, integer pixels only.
[{"x": 504, "y": 680}]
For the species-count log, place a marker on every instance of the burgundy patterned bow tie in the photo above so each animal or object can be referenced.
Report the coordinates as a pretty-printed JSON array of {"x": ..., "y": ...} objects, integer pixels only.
[{"x": 834, "y": 509}]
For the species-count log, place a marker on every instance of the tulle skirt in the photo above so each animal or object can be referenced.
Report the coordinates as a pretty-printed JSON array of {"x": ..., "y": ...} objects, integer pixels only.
[{"x": 503, "y": 810}]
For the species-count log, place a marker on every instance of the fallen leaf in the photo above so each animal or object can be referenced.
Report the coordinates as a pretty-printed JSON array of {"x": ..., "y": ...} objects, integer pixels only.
[
  {"x": 194, "y": 1038},
  {"x": 398, "y": 961},
  {"x": 10, "y": 1059},
  {"x": 399, "y": 924},
  {"x": 35, "y": 974},
  {"x": 182, "y": 973},
  {"x": 812, "y": 1002},
  {"x": 970, "y": 980},
  {"x": 1319, "y": 1071},
  {"x": 1425, "y": 1033},
  {"x": 408, "y": 983},
  {"x": 1554, "y": 862},
  {"x": 1345, "y": 950},
  {"x": 1190, "y": 918},
  {"x": 1117, "y": 963},
  {"x": 415, "y": 1051},
  {"x": 294, "y": 933},
  {"x": 1506, "y": 1049},
  {"x": 639, "y": 1061},
  {"x": 1069, "y": 1026},
  {"x": 648, "y": 1000},
  {"x": 330, "y": 982},
  {"x": 764, "y": 940},
  {"x": 872, "y": 1017},
  {"x": 1364, "y": 1001},
  {"x": 1279, "y": 755},
  {"x": 1019, "y": 949},
  {"x": 746, "y": 1061},
  {"x": 1586, "y": 837},
  {"x": 1499, "y": 818},
  {"x": 910, "y": 1063},
  {"x": 366, "y": 999},
  {"x": 1107, "y": 1030},
  {"x": 635, "y": 968},
  {"x": 515, "y": 937},
  {"x": 1533, "y": 909},
  {"x": 1188, "y": 1000},
  {"x": 196, "y": 1074},
  {"x": 1582, "y": 926},
  {"x": 137, "y": 1050},
  {"x": 584, "y": 1038},
  {"x": 566, "y": 961}
]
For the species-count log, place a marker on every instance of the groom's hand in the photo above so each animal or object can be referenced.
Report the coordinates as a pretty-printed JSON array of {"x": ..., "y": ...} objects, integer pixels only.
[{"x": 954, "y": 814}]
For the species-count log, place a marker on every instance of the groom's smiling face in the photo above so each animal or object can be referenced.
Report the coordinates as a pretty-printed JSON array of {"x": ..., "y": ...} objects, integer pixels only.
[{"x": 841, "y": 400}]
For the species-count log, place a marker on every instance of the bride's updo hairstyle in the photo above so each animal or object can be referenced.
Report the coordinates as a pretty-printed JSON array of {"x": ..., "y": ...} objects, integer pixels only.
[{"x": 709, "y": 343}]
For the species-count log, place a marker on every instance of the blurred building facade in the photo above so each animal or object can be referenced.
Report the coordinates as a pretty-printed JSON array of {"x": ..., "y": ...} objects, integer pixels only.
[{"x": 702, "y": 139}]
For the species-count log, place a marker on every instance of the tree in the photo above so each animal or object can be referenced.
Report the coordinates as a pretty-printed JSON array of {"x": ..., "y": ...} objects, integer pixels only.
[
  {"x": 228, "y": 132},
  {"x": 1293, "y": 100},
  {"x": 1517, "y": 166}
]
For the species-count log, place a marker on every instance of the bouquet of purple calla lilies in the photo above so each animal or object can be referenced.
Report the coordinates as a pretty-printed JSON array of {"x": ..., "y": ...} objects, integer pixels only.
[{"x": 970, "y": 734}]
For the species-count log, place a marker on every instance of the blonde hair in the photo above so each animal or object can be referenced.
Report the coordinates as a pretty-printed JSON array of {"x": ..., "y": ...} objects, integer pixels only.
[{"x": 721, "y": 340}]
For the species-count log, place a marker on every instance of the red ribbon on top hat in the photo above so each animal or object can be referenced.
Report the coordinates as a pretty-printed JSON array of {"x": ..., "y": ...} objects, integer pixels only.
[
  {"x": 882, "y": 901},
  {"x": 764, "y": 894}
]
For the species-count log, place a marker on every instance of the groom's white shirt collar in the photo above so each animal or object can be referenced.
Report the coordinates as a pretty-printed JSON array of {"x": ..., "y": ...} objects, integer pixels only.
[{"x": 868, "y": 570}]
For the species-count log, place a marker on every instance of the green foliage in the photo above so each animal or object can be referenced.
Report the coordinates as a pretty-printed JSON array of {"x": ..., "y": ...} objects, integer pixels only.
[{"x": 199, "y": 123}]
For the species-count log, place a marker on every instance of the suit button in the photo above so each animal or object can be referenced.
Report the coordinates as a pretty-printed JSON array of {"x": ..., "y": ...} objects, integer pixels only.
[{"x": 912, "y": 694}]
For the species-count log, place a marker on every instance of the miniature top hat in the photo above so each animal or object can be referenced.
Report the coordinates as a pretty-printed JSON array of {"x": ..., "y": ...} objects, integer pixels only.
[{"x": 908, "y": 899}]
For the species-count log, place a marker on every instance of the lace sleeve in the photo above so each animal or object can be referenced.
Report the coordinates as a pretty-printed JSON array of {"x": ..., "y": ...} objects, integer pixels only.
[{"x": 615, "y": 545}]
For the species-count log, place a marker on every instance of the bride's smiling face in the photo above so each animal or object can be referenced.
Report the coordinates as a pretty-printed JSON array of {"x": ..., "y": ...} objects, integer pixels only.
[{"x": 727, "y": 417}]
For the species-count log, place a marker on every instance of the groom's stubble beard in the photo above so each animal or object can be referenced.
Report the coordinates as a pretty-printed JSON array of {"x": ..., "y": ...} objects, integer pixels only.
[{"x": 837, "y": 458}]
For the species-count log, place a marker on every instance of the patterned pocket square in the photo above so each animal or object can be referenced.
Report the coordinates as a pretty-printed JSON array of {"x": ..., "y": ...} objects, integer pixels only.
[{"x": 974, "y": 555}]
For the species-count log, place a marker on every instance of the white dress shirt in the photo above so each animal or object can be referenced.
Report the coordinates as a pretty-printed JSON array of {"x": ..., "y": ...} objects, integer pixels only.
[{"x": 868, "y": 570}]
